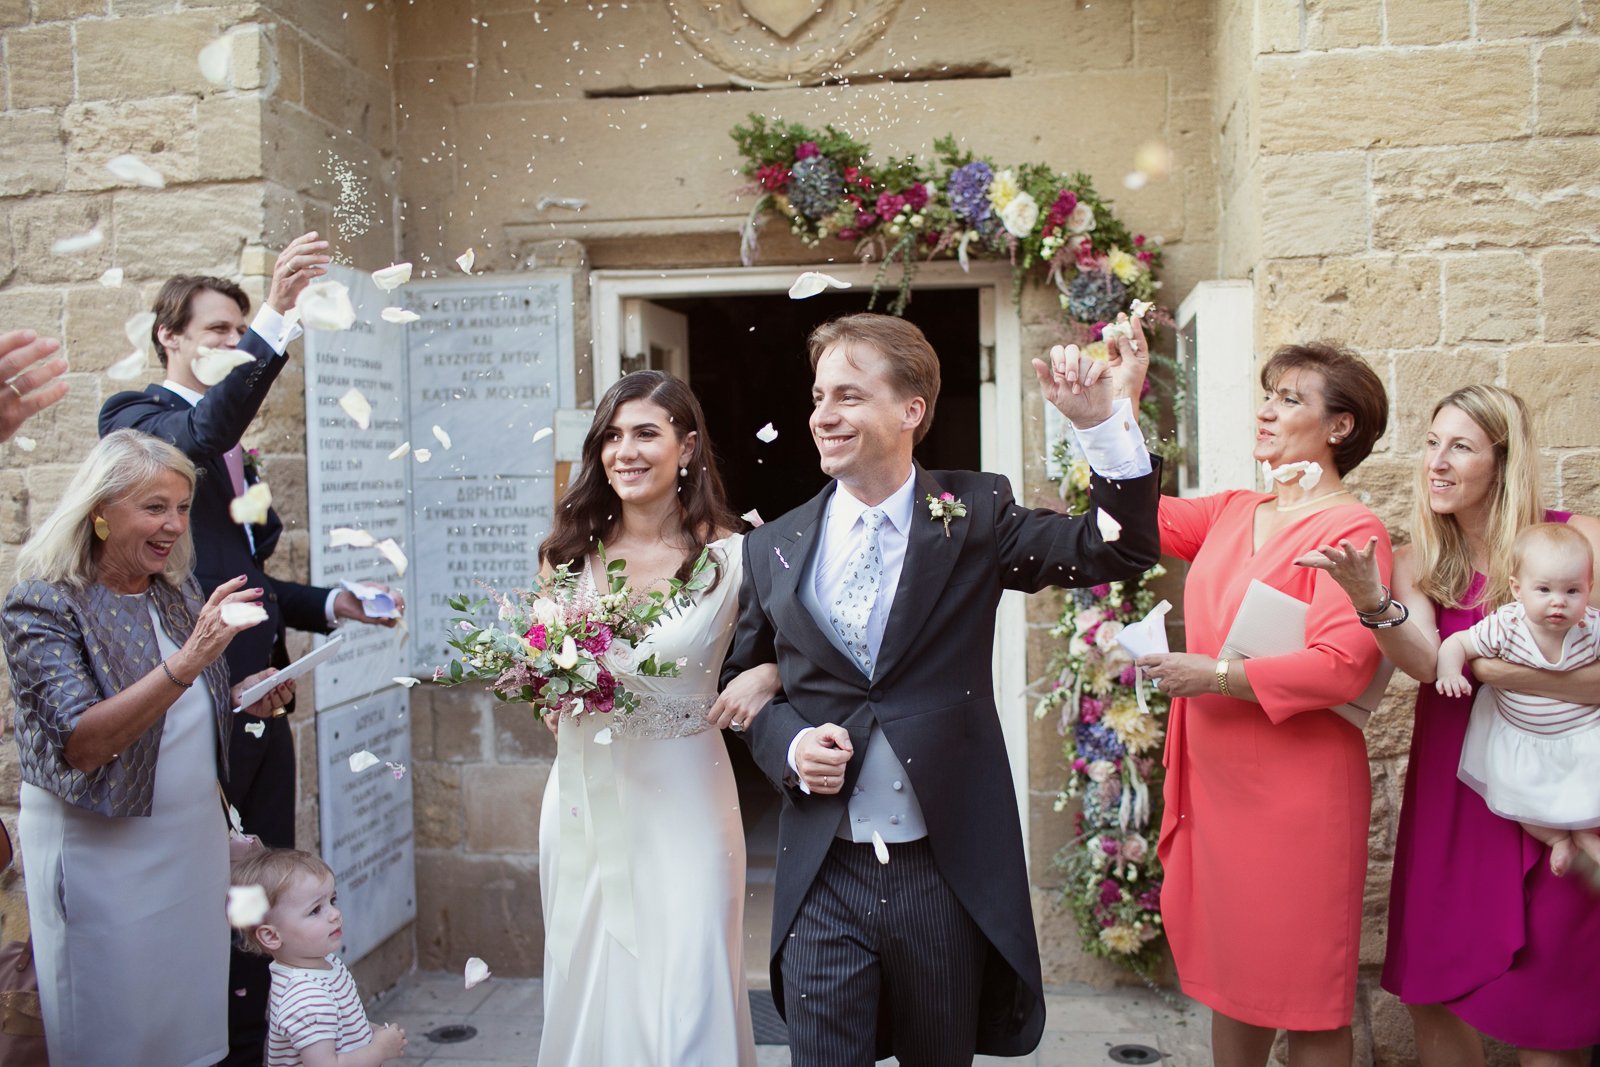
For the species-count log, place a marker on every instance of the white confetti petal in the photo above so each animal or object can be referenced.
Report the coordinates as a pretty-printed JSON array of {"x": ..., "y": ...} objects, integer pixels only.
[
  {"x": 880, "y": 849},
  {"x": 421, "y": 455},
  {"x": 813, "y": 282},
  {"x": 603, "y": 736},
  {"x": 137, "y": 328},
  {"x": 247, "y": 906},
  {"x": 766, "y": 435},
  {"x": 400, "y": 452},
  {"x": 78, "y": 242},
  {"x": 355, "y": 405},
  {"x": 112, "y": 279},
  {"x": 340, "y": 536},
  {"x": 243, "y": 613},
  {"x": 26, "y": 444},
  {"x": 130, "y": 168},
  {"x": 252, "y": 506},
  {"x": 571, "y": 203},
  {"x": 1139, "y": 308},
  {"x": 466, "y": 259},
  {"x": 1110, "y": 528},
  {"x": 753, "y": 517},
  {"x": 392, "y": 277},
  {"x": 215, "y": 59},
  {"x": 396, "y": 769},
  {"x": 1113, "y": 330},
  {"x": 1135, "y": 180},
  {"x": 541, "y": 433},
  {"x": 255, "y": 729},
  {"x": 567, "y": 658},
  {"x": 325, "y": 305},
  {"x": 363, "y": 760},
  {"x": 476, "y": 971},
  {"x": 393, "y": 553},
  {"x": 214, "y": 364},
  {"x": 442, "y": 437},
  {"x": 406, "y": 680},
  {"x": 398, "y": 316},
  {"x": 128, "y": 367}
]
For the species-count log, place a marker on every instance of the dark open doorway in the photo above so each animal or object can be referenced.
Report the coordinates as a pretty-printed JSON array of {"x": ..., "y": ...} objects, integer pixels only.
[{"x": 748, "y": 365}]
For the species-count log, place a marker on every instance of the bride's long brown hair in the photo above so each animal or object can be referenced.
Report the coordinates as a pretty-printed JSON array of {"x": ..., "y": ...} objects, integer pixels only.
[{"x": 590, "y": 510}]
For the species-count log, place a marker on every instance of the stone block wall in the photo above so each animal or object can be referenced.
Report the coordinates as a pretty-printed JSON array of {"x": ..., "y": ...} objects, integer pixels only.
[{"x": 1415, "y": 179}]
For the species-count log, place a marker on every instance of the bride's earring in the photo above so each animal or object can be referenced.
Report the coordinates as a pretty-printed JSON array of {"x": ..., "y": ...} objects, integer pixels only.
[{"x": 683, "y": 472}]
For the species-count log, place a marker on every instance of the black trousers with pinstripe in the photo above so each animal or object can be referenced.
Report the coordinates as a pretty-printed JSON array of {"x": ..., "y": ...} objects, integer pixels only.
[{"x": 882, "y": 946}]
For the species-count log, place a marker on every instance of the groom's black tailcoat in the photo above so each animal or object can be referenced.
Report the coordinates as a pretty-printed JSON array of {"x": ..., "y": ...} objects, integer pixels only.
[{"x": 933, "y": 696}]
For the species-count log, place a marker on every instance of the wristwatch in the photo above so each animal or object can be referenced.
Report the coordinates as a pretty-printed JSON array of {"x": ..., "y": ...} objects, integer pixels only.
[{"x": 1222, "y": 676}]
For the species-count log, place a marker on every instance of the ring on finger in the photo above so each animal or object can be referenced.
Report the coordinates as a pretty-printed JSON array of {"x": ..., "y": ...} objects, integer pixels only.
[{"x": 13, "y": 387}]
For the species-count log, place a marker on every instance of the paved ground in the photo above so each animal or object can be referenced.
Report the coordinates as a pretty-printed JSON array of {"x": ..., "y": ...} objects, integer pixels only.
[{"x": 1082, "y": 1027}]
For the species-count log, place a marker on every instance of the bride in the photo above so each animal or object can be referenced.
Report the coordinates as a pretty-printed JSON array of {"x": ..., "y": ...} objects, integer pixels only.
[{"x": 641, "y": 849}]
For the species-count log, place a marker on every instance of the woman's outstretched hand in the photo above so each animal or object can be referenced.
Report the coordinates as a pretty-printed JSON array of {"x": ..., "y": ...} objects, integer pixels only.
[{"x": 1354, "y": 569}]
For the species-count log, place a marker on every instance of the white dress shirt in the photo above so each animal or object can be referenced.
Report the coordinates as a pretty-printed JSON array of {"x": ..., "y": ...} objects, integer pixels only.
[{"x": 1115, "y": 449}]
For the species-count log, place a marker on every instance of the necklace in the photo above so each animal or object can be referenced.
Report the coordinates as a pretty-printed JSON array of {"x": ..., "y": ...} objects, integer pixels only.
[{"x": 1307, "y": 503}]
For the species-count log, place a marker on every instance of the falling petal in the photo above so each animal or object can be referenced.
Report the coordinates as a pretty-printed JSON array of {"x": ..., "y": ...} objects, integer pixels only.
[
  {"x": 26, "y": 444},
  {"x": 392, "y": 277},
  {"x": 567, "y": 658},
  {"x": 214, "y": 364},
  {"x": 396, "y": 769},
  {"x": 247, "y": 906},
  {"x": 215, "y": 59},
  {"x": 1113, "y": 330},
  {"x": 880, "y": 849},
  {"x": 442, "y": 437},
  {"x": 753, "y": 517},
  {"x": 355, "y": 405},
  {"x": 112, "y": 279},
  {"x": 1139, "y": 308},
  {"x": 243, "y": 613},
  {"x": 251, "y": 508},
  {"x": 1135, "y": 179},
  {"x": 127, "y": 368},
  {"x": 1110, "y": 528},
  {"x": 603, "y": 737},
  {"x": 137, "y": 328},
  {"x": 571, "y": 203},
  {"x": 363, "y": 760},
  {"x": 466, "y": 259},
  {"x": 421, "y": 455},
  {"x": 766, "y": 435},
  {"x": 476, "y": 972},
  {"x": 813, "y": 282},
  {"x": 399, "y": 316},
  {"x": 340, "y": 536},
  {"x": 130, "y": 168},
  {"x": 541, "y": 434},
  {"x": 255, "y": 729},
  {"x": 399, "y": 453},
  {"x": 393, "y": 554},
  {"x": 1153, "y": 159},
  {"x": 80, "y": 242},
  {"x": 406, "y": 680},
  {"x": 325, "y": 305}
]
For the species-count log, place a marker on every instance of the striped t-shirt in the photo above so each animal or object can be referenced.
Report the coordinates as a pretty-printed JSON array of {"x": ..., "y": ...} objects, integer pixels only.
[
  {"x": 1504, "y": 634},
  {"x": 308, "y": 1006}
]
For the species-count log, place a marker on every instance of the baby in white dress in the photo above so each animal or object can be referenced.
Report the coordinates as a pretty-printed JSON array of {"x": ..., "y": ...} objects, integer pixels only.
[{"x": 1534, "y": 759}]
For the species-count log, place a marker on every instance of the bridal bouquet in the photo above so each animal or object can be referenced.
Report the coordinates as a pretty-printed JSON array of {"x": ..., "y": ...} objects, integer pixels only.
[{"x": 562, "y": 644}]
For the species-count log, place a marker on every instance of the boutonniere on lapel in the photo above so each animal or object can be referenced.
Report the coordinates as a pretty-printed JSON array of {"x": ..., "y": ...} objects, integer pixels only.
[
  {"x": 252, "y": 464},
  {"x": 945, "y": 507}
]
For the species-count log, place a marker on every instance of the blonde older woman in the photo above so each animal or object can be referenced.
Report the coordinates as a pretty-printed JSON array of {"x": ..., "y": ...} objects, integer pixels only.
[{"x": 121, "y": 714}]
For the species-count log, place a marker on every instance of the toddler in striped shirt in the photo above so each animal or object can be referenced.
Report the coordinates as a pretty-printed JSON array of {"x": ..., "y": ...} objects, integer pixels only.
[
  {"x": 314, "y": 1014},
  {"x": 1532, "y": 756}
]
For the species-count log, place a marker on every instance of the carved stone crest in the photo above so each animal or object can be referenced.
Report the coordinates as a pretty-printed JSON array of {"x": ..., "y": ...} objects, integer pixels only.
[{"x": 781, "y": 42}]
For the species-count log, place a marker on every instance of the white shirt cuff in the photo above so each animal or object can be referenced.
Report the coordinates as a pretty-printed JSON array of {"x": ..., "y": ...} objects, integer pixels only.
[
  {"x": 269, "y": 324},
  {"x": 792, "y": 746},
  {"x": 1115, "y": 448},
  {"x": 327, "y": 608}
]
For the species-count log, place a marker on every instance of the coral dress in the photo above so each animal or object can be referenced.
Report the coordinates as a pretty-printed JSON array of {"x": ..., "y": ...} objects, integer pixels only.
[
  {"x": 1264, "y": 838},
  {"x": 1476, "y": 920}
]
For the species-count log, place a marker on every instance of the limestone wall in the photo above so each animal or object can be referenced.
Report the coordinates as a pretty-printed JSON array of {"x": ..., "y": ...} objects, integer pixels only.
[{"x": 1416, "y": 179}]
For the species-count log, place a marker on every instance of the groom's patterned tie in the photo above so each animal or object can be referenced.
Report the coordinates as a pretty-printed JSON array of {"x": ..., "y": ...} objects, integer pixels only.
[{"x": 863, "y": 574}]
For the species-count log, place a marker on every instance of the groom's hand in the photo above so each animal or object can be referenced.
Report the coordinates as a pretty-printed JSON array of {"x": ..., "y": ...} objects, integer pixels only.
[
  {"x": 820, "y": 758},
  {"x": 1078, "y": 386}
]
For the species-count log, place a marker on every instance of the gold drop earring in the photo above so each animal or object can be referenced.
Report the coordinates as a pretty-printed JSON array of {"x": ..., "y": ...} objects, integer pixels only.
[{"x": 102, "y": 528}]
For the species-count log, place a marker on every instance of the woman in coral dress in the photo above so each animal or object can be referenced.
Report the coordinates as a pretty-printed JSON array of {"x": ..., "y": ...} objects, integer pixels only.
[
  {"x": 1264, "y": 839},
  {"x": 1483, "y": 938}
]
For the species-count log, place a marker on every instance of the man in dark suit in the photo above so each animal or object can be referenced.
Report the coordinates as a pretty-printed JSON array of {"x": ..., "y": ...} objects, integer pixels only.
[
  {"x": 206, "y": 423},
  {"x": 902, "y": 921}
]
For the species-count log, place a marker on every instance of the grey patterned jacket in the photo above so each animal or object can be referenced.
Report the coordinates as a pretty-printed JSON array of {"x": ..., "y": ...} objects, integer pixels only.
[{"x": 71, "y": 648}]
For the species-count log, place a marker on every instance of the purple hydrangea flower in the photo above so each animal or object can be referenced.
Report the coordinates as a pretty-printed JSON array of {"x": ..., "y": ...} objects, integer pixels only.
[{"x": 969, "y": 191}]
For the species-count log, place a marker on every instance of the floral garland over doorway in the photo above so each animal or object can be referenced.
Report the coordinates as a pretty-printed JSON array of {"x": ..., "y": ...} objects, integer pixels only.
[{"x": 1054, "y": 228}]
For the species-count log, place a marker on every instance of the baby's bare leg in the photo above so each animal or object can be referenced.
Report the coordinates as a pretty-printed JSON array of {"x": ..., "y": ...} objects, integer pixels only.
[
  {"x": 1589, "y": 842},
  {"x": 1561, "y": 846}
]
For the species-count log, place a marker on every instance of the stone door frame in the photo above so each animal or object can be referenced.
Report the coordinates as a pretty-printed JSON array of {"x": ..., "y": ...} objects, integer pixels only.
[{"x": 1000, "y": 412}]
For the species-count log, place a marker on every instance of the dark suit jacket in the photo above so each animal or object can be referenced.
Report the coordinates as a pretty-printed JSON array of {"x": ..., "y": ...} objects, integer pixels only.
[
  {"x": 203, "y": 432},
  {"x": 933, "y": 695}
]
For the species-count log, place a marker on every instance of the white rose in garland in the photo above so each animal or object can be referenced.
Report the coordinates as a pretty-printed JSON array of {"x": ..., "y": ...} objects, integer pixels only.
[{"x": 1021, "y": 215}]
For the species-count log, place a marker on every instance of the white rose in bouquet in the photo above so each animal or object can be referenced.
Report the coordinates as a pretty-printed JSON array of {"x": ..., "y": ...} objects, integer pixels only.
[{"x": 1020, "y": 215}]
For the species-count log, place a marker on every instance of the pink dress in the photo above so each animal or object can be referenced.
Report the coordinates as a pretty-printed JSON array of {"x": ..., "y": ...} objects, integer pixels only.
[{"x": 1476, "y": 920}]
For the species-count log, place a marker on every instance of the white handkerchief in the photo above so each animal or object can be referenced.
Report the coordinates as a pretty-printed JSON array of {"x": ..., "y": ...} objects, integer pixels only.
[{"x": 1147, "y": 637}]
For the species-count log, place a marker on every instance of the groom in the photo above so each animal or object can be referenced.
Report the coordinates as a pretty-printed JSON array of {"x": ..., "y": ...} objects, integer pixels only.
[{"x": 877, "y": 602}]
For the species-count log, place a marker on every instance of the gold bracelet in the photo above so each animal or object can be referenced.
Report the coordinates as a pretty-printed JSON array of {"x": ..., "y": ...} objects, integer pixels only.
[{"x": 1222, "y": 676}]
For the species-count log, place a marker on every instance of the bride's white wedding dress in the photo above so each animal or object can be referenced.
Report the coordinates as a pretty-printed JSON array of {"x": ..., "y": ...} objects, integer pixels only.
[{"x": 642, "y": 865}]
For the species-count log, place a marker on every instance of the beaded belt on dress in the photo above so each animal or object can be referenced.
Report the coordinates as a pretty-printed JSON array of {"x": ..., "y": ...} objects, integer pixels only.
[{"x": 661, "y": 717}]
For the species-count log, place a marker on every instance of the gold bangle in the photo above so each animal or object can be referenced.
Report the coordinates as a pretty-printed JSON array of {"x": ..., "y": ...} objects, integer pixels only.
[{"x": 1222, "y": 676}]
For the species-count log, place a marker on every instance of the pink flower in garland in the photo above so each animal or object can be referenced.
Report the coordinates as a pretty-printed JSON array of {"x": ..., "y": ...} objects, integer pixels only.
[
  {"x": 917, "y": 196},
  {"x": 806, "y": 149},
  {"x": 772, "y": 176},
  {"x": 889, "y": 205},
  {"x": 1110, "y": 892}
]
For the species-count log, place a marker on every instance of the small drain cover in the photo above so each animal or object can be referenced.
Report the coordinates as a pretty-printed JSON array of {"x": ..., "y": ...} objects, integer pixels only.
[
  {"x": 455, "y": 1033},
  {"x": 1134, "y": 1054}
]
